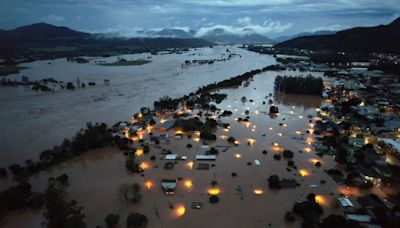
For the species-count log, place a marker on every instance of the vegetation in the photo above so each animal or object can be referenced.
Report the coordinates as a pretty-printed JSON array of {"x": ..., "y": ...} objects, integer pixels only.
[
  {"x": 287, "y": 154},
  {"x": 59, "y": 211},
  {"x": 214, "y": 199},
  {"x": 136, "y": 220},
  {"x": 203, "y": 94},
  {"x": 130, "y": 194},
  {"x": 299, "y": 85},
  {"x": 9, "y": 69},
  {"x": 15, "y": 197},
  {"x": 274, "y": 182},
  {"x": 132, "y": 165},
  {"x": 334, "y": 221},
  {"x": 290, "y": 217},
  {"x": 277, "y": 157},
  {"x": 309, "y": 210},
  {"x": 112, "y": 220},
  {"x": 93, "y": 137},
  {"x": 273, "y": 110},
  {"x": 126, "y": 63}
]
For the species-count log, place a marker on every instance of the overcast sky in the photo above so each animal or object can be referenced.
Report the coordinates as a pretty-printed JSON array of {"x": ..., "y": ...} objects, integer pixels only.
[{"x": 268, "y": 17}]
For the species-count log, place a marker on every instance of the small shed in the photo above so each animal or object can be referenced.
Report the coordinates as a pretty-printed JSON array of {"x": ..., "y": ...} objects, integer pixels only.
[
  {"x": 168, "y": 186},
  {"x": 345, "y": 202},
  {"x": 206, "y": 157},
  {"x": 171, "y": 157}
]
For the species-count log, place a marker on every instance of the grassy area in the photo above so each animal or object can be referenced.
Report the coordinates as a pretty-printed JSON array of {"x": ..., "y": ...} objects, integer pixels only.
[
  {"x": 126, "y": 63},
  {"x": 6, "y": 70}
]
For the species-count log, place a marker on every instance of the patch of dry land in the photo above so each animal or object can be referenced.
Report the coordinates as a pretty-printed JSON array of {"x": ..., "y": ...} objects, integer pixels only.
[{"x": 245, "y": 199}]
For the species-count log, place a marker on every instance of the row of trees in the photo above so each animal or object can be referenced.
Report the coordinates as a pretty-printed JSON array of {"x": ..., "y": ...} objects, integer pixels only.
[
  {"x": 94, "y": 136},
  {"x": 205, "y": 97},
  {"x": 300, "y": 85}
]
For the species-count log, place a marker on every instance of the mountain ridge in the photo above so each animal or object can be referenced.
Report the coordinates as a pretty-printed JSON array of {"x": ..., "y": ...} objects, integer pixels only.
[{"x": 381, "y": 38}]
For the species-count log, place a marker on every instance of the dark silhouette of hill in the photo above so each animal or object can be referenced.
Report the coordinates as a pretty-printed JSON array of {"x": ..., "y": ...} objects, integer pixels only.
[
  {"x": 381, "y": 39},
  {"x": 32, "y": 40}
]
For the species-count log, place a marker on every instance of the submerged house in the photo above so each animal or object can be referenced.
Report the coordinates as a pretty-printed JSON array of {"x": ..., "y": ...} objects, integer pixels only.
[
  {"x": 168, "y": 186},
  {"x": 206, "y": 157}
]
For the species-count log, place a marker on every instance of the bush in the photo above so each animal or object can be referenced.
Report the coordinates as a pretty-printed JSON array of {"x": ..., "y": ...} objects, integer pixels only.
[
  {"x": 3, "y": 172},
  {"x": 16, "y": 169},
  {"x": 290, "y": 217},
  {"x": 299, "y": 85},
  {"x": 290, "y": 163},
  {"x": 214, "y": 199},
  {"x": 274, "y": 182},
  {"x": 366, "y": 185},
  {"x": 112, "y": 219},
  {"x": 335, "y": 221},
  {"x": 277, "y": 157},
  {"x": 63, "y": 179},
  {"x": 273, "y": 110},
  {"x": 132, "y": 165},
  {"x": 212, "y": 151},
  {"x": 287, "y": 154},
  {"x": 146, "y": 149},
  {"x": 60, "y": 212},
  {"x": 15, "y": 197},
  {"x": 208, "y": 136},
  {"x": 136, "y": 220}
]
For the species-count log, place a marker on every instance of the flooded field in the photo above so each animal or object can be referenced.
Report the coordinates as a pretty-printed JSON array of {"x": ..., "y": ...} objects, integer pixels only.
[
  {"x": 32, "y": 122},
  {"x": 245, "y": 200}
]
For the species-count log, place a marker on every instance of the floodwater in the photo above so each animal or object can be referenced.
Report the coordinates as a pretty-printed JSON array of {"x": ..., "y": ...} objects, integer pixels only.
[
  {"x": 32, "y": 122},
  {"x": 96, "y": 176}
]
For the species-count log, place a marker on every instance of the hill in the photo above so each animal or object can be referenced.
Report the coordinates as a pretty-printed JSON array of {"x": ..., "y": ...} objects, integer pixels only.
[
  {"x": 49, "y": 41},
  {"x": 381, "y": 39},
  {"x": 224, "y": 37},
  {"x": 285, "y": 38}
]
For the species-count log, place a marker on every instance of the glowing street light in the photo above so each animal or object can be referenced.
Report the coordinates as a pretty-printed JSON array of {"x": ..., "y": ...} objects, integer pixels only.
[{"x": 258, "y": 191}]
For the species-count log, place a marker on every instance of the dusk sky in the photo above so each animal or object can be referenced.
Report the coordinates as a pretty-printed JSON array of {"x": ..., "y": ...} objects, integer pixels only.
[{"x": 268, "y": 17}]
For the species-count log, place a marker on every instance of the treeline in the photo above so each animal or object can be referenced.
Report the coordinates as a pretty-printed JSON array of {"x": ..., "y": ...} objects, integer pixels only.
[
  {"x": 299, "y": 85},
  {"x": 202, "y": 96},
  {"x": 94, "y": 136}
]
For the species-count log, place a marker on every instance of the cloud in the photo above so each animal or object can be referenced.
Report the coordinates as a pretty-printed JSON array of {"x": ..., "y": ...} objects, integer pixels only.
[
  {"x": 51, "y": 18},
  {"x": 246, "y": 27},
  {"x": 244, "y": 21},
  {"x": 238, "y": 3},
  {"x": 334, "y": 27},
  {"x": 184, "y": 28}
]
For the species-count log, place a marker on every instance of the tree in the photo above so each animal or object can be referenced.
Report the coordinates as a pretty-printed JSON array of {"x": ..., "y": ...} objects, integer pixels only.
[
  {"x": 136, "y": 220},
  {"x": 112, "y": 219},
  {"x": 287, "y": 154},
  {"x": 59, "y": 212},
  {"x": 335, "y": 221},
  {"x": 290, "y": 217},
  {"x": 214, "y": 199},
  {"x": 15, "y": 197},
  {"x": 274, "y": 182},
  {"x": 277, "y": 157},
  {"x": 132, "y": 165},
  {"x": 273, "y": 110}
]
